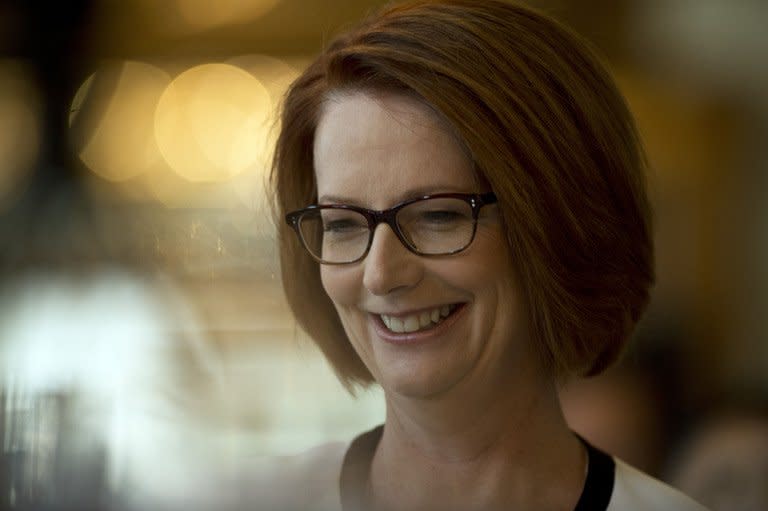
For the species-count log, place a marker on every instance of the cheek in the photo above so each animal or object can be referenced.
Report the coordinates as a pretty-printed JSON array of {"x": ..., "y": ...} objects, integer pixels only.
[
  {"x": 496, "y": 279},
  {"x": 339, "y": 284},
  {"x": 342, "y": 287},
  {"x": 488, "y": 262}
]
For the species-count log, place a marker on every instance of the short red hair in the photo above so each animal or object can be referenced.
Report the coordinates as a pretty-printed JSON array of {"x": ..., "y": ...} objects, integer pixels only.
[{"x": 548, "y": 131}]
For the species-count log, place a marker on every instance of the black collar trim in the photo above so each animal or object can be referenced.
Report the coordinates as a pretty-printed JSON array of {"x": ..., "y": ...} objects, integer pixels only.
[
  {"x": 601, "y": 474},
  {"x": 356, "y": 468}
]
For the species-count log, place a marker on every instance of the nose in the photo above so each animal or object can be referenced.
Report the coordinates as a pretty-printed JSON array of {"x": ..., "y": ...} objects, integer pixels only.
[{"x": 389, "y": 265}]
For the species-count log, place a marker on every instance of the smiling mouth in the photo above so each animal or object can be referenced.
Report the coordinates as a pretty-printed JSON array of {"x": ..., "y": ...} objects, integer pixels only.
[{"x": 418, "y": 322}]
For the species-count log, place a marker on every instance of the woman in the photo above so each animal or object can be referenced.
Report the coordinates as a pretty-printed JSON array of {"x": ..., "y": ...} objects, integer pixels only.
[{"x": 466, "y": 226}]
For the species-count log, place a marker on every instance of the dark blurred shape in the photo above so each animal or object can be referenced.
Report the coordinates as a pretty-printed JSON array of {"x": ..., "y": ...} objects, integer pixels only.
[
  {"x": 49, "y": 38},
  {"x": 45, "y": 464},
  {"x": 19, "y": 130}
]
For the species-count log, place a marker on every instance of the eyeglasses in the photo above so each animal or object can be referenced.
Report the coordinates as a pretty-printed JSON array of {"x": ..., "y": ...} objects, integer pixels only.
[{"x": 440, "y": 224}]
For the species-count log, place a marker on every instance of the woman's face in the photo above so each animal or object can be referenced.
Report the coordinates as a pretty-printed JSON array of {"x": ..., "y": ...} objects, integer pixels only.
[{"x": 376, "y": 151}]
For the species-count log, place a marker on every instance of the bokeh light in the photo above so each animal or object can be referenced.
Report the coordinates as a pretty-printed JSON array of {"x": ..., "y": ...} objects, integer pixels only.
[
  {"x": 19, "y": 130},
  {"x": 176, "y": 192},
  {"x": 112, "y": 119},
  {"x": 209, "y": 122},
  {"x": 276, "y": 76}
]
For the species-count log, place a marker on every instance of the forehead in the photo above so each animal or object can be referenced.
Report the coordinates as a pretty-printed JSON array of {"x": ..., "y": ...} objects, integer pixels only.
[{"x": 376, "y": 150}]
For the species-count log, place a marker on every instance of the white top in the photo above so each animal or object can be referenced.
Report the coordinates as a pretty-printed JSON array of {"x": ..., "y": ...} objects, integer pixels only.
[
  {"x": 310, "y": 482},
  {"x": 635, "y": 491}
]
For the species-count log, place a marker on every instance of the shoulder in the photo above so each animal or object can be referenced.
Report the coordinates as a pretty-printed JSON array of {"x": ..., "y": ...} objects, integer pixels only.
[
  {"x": 308, "y": 480},
  {"x": 635, "y": 491}
]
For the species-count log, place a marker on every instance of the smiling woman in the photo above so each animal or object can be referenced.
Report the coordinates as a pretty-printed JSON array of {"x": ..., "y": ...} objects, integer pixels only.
[
  {"x": 483, "y": 336},
  {"x": 463, "y": 221}
]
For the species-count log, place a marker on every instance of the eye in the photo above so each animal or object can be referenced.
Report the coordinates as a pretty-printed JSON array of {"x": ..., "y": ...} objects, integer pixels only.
[
  {"x": 343, "y": 222},
  {"x": 342, "y": 226},
  {"x": 441, "y": 217},
  {"x": 435, "y": 215}
]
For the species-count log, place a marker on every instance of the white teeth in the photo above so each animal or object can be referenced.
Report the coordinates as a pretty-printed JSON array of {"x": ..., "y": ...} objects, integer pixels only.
[
  {"x": 411, "y": 323},
  {"x": 416, "y": 322}
]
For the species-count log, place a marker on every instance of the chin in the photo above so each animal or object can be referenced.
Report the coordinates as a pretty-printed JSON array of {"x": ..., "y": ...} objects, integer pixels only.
[
  {"x": 416, "y": 381},
  {"x": 423, "y": 369}
]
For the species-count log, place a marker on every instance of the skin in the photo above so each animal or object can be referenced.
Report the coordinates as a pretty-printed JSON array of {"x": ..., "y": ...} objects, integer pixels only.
[{"x": 473, "y": 418}]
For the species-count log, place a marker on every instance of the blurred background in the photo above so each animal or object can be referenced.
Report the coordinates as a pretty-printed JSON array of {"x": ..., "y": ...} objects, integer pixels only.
[{"x": 144, "y": 338}]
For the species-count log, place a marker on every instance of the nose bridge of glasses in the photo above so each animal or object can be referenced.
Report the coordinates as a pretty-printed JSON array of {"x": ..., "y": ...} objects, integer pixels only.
[
  {"x": 389, "y": 218},
  {"x": 389, "y": 265}
]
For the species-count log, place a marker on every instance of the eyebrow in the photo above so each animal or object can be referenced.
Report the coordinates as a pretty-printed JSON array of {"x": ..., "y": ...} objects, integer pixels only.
[{"x": 413, "y": 193}]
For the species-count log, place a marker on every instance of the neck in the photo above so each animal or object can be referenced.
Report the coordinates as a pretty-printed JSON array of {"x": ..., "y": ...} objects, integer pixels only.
[{"x": 477, "y": 452}]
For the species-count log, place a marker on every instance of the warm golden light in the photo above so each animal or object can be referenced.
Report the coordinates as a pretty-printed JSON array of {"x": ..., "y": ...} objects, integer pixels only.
[
  {"x": 19, "y": 130},
  {"x": 117, "y": 141},
  {"x": 276, "y": 76},
  {"x": 176, "y": 192},
  {"x": 210, "y": 122},
  {"x": 204, "y": 14}
]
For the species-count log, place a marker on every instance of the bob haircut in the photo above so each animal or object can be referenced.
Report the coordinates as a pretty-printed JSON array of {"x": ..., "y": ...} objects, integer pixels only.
[{"x": 547, "y": 130}]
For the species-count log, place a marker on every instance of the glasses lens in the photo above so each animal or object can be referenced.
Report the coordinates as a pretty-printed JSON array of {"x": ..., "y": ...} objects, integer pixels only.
[
  {"x": 334, "y": 235},
  {"x": 437, "y": 226}
]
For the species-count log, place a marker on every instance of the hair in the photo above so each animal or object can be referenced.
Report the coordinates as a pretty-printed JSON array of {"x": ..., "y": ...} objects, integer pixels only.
[{"x": 548, "y": 131}]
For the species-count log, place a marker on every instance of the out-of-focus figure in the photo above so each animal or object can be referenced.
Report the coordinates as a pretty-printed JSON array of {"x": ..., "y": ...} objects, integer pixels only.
[{"x": 104, "y": 381}]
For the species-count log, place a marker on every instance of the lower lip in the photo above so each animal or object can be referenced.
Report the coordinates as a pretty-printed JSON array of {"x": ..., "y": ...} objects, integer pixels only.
[{"x": 417, "y": 337}]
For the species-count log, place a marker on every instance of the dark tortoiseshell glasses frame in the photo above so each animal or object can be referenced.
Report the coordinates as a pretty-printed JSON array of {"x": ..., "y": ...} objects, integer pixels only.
[{"x": 389, "y": 216}]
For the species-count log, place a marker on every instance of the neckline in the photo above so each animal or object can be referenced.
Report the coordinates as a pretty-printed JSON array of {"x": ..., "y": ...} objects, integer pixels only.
[{"x": 356, "y": 468}]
